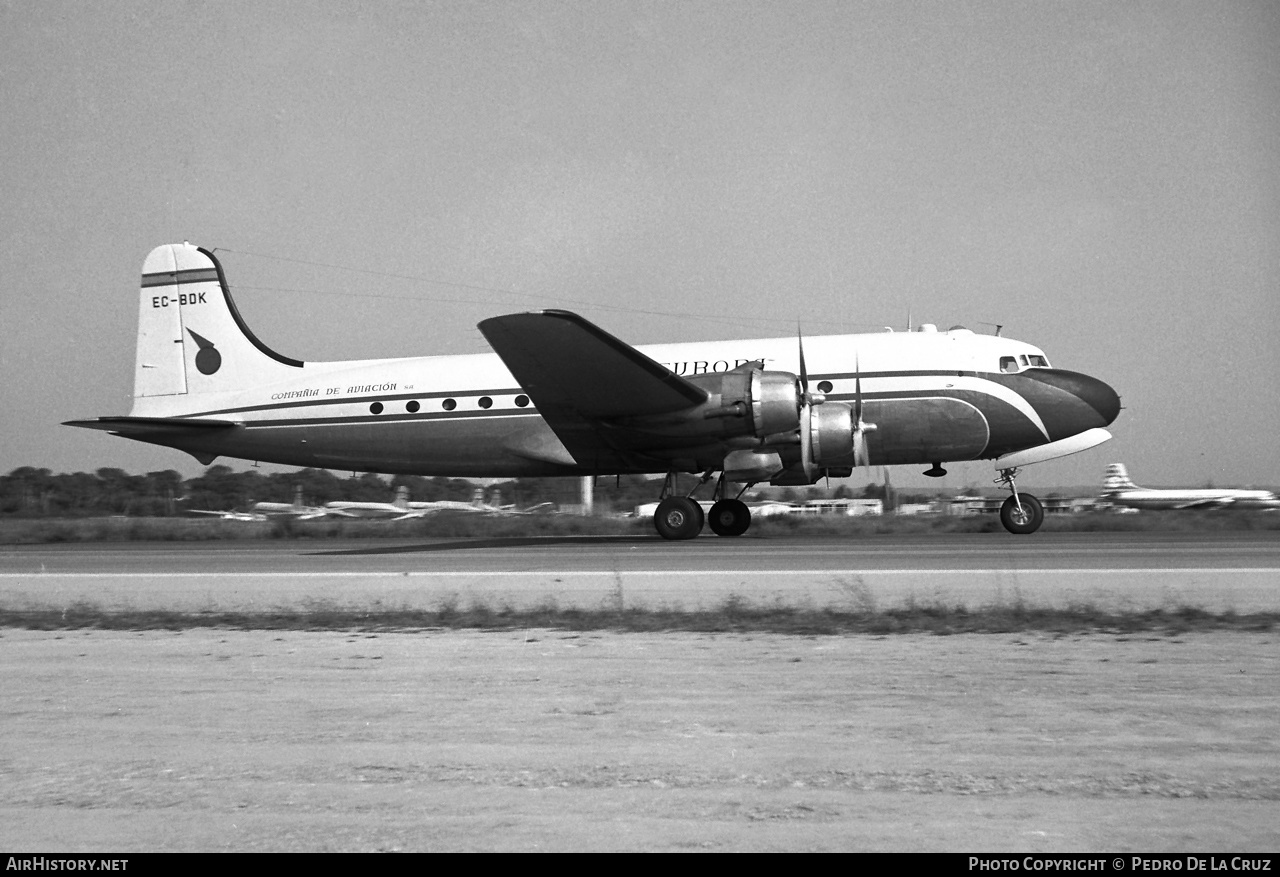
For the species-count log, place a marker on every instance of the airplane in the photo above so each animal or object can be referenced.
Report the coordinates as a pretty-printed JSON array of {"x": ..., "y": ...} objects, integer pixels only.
[
  {"x": 1119, "y": 490},
  {"x": 402, "y": 509},
  {"x": 399, "y": 508},
  {"x": 477, "y": 504},
  {"x": 297, "y": 508},
  {"x": 563, "y": 397}
]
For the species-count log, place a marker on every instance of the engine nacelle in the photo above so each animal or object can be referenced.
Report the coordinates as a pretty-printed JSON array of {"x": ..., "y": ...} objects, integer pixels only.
[
  {"x": 826, "y": 445},
  {"x": 763, "y": 403},
  {"x": 776, "y": 399},
  {"x": 831, "y": 434}
]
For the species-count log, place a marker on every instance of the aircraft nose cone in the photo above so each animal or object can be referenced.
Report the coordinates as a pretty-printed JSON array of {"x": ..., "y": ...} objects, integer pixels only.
[
  {"x": 1095, "y": 393},
  {"x": 1070, "y": 402},
  {"x": 1098, "y": 395}
]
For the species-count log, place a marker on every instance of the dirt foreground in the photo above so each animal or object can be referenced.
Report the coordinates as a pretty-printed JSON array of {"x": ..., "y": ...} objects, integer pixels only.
[{"x": 205, "y": 740}]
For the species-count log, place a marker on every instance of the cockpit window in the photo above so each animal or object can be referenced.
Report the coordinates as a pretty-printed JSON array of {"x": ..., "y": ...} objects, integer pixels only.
[{"x": 1011, "y": 364}]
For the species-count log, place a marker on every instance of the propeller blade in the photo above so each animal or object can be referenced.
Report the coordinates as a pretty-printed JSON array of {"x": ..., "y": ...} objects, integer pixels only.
[
  {"x": 806, "y": 441},
  {"x": 809, "y": 398},
  {"x": 857, "y": 390},
  {"x": 807, "y": 402},
  {"x": 804, "y": 372},
  {"x": 861, "y": 457}
]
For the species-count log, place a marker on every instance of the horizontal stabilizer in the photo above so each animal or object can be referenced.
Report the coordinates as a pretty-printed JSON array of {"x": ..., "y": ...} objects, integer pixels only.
[{"x": 147, "y": 427}]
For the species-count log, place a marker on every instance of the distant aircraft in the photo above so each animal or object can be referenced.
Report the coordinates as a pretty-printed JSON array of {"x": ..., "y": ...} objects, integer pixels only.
[
  {"x": 296, "y": 509},
  {"x": 1119, "y": 490},
  {"x": 564, "y": 397},
  {"x": 477, "y": 504},
  {"x": 401, "y": 508},
  {"x": 398, "y": 508}
]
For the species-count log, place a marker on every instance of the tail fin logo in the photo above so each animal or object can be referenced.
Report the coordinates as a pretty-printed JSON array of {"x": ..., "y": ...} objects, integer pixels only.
[{"x": 208, "y": 359}]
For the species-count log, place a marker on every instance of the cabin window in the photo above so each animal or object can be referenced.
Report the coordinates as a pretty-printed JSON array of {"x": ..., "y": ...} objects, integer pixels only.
[
  {"x": 448, "y": 404},
  {"x": 413, "y": 406},
  {"x": 376, "y": 407},
  {"x": 486, "y": 402},
  {"x": 824, "y": 386},
  {"x": 522, "y": 401}
]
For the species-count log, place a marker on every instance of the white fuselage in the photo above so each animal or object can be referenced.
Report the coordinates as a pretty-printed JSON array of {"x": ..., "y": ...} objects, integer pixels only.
[{"x": 1206, "y": 498}]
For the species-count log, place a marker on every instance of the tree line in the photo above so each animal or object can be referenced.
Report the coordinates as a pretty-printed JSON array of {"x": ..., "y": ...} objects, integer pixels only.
[{"x": 31, "y": 492}]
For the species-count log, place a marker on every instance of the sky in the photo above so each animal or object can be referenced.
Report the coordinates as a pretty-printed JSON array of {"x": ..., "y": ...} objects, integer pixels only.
[{"x": 1102, "y": 179}]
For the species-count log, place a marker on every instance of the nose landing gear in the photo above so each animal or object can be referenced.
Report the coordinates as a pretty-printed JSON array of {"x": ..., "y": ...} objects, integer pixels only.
[{"x": 1021, "y": 513}]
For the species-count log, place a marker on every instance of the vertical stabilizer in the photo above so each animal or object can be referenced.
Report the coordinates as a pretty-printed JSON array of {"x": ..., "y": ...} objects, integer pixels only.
[
  {"x": 160, "y": 369},
  {"x": 1117, "y": 478},
  {"x": 191, "y": 338}
]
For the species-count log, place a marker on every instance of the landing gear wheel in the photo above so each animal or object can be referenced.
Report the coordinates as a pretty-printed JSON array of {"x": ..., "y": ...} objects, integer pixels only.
[
  {"x": 729, "y": 517},
  {"x": 678, "y": 517},
  {"x": 1028, "y": 520}
]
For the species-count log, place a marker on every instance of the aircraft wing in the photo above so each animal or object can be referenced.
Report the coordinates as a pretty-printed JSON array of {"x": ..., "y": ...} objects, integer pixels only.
[
  {"x": 583, "y": 380},
  {"x": 229, "y": 515},
  {"x": 1216, "y": 502}
]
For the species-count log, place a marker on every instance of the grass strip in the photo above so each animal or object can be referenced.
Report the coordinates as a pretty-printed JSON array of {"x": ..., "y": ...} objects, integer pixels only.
[{"x": 732, "y": 616}]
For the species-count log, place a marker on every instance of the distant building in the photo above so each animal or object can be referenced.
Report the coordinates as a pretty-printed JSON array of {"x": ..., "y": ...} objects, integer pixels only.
[
  {"x": 848, "y": 507},
  {"x": 990, "y": 505},
  {"x": 918, "y": 508}
]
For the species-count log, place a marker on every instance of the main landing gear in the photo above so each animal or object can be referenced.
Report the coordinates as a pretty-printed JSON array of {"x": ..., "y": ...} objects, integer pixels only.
[
  {"x": 1021, "y": 513},
  {"x": 678, "y": 517},
  {"x": 681, "y": 517}
]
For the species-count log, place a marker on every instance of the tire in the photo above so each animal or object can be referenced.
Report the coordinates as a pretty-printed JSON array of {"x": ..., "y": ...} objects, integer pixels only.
[
  {"x": 1026, "y": 521},
  {"x": 678, "y": 517},
  {"x": 729, "y": 517}
]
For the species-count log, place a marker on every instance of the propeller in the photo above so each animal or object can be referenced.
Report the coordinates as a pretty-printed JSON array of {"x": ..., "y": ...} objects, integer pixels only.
[
  {"x": 860, "y": 426},
  {"x": 808, "y": 398},
  {"x": 807, "y": 401}
]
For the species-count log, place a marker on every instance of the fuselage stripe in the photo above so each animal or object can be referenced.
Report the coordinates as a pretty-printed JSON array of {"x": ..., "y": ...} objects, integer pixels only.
[
  {"x": 178, "y": 278},
  {"x": 365, "y": 400},
  {"x": 516, "y": 391},
  {"x": 391, "y": 418}
]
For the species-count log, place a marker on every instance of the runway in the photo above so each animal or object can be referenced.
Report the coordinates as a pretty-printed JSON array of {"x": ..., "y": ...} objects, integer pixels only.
[
  {"x": 1236, "y": 571},
  {"x": 201, "y": 739}
]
